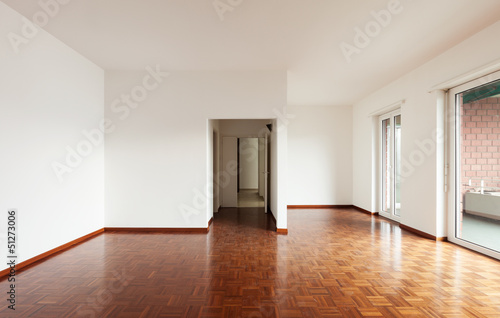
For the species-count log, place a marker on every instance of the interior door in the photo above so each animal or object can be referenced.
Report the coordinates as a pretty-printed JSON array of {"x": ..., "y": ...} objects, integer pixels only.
[{"x": 229, "y": 168}]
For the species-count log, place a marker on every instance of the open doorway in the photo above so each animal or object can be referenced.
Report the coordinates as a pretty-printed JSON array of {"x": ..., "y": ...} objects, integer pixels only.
[
  {"x": 222, "y": 168},
  {"x": 242, "y": 166},
  {"x": 251, "y": 172}
]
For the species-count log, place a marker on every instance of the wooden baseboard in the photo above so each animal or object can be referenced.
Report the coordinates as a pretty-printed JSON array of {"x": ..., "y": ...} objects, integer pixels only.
[
  {"x": 282, "y": 231},
  {"x": 364, "y": 211},
  {"x": 422, "y": 234},
  {"x": 210, "y": 223},
  {"x": 158, "y": 229},
  {"x": 388, "y": 219},
  {"x": 341, "y": 206},
  {"x": 319, "y": 206},
  {"x": 53, "y": 251},
  {"x": 278, "y": 231}
]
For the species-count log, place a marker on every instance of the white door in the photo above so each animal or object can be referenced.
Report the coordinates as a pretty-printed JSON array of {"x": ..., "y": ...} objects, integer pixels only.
[
  {"x": 229, "y": 173},
  {"x": 473, "y": 139},
  {"x": 390, "y": 155}
]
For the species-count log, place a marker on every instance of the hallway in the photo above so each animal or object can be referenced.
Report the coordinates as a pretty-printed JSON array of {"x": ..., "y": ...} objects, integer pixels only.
[
  {"x": 333, "y": 263},
  {"x": 250, "y": 199}
]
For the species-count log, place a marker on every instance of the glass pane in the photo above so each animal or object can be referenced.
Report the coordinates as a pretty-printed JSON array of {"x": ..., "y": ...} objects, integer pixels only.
[
  {"x": 386, "y": 165},
  {"x": 397, "y": 164},
  {"x": 478, "y": 166}
]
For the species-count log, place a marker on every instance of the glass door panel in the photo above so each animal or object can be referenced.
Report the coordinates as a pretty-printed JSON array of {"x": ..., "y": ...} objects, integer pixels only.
[
  {"x": 397, "y": 165},
  {"x": 391, "y": 165},
  {"x": 477, "y": 175},
  {"x": 386, "y": 165}
]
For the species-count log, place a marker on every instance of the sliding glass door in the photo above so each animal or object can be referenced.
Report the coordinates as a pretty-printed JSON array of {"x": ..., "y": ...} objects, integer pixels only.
[
  {"x": 390, "y": 158},
  {"x": 475, "y": 126}
]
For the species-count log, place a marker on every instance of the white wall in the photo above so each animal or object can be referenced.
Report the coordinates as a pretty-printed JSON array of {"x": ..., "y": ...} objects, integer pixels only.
[
  {"x": 320, "y": 156},
  {"x": 419, "y": 191},
  {"x": 48, "y": 95},
  {"x": 157, "y": 172},
  {"x": 249, "y": 163}
]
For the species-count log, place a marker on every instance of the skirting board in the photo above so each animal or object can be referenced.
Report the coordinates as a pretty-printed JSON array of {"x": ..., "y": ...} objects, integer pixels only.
[
  {"x": 348, "y": 206},
  {"x": 161, "y": 229},
  {"x": 422, "y": 234},
  {"x": 278, "y": 231},
  {"x": 53, "y": 251},
  {"x": 364, "y": 211},
  {"x": 319, "y": 206},
  {"x": 194, "y": 230},
  {"x": 405, "y": 227}
]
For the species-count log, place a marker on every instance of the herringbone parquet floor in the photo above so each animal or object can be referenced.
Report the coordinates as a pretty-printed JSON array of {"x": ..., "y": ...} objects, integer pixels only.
[{"x": 333, "y": 263}]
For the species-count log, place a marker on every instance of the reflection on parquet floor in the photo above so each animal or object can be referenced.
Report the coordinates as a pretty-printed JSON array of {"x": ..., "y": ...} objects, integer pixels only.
[
  {"x": 333, "y": 263},
  {"x": 250, "y": 199}
]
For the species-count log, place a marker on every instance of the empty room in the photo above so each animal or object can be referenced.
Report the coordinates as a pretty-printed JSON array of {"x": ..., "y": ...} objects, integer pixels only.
[{"x": 250, "y": 158}]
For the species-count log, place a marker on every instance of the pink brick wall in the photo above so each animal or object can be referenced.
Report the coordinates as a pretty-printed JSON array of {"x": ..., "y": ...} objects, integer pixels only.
[{"x": 481, "y": 142}]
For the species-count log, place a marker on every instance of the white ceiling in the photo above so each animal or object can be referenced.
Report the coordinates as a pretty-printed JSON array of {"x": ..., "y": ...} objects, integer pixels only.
[{"x": 300, "y": 36}]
